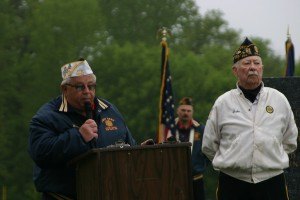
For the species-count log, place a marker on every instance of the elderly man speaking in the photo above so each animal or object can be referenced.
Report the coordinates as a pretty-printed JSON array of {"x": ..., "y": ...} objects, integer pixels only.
[{"x": 68, "y": 126}]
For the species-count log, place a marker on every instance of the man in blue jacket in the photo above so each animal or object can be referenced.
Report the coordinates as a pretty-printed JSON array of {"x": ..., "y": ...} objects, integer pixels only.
[
  {"x": 189, "y": 130},
  {"x": 68, "y": 126}
]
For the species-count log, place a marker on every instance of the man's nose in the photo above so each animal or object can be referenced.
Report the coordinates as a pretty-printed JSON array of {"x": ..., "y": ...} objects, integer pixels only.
[
  {"x": 252, "y": 66},
  {"x": 86, "y": 88}
]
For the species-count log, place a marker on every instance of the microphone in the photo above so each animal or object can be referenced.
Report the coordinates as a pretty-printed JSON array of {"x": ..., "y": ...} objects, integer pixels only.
[
  {"x": 89, "y": 115},
  {"x": 88, "y": 110}
]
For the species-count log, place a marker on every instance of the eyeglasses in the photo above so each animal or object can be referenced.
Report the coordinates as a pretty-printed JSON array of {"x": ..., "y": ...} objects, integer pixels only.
[{"x": 80, "y": 88}]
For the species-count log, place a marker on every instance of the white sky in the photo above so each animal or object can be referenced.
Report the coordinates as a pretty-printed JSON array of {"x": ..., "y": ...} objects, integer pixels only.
[{"x": 267, "y": 19}]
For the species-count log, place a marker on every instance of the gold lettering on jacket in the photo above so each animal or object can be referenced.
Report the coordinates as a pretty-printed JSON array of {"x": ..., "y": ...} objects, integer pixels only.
[{"x": 109, "y": 124}]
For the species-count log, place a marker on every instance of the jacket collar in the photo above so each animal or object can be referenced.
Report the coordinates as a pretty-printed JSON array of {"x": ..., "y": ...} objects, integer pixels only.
[
  {"x": 64, "y": 104},
  {"x": 261, "y": 89}
]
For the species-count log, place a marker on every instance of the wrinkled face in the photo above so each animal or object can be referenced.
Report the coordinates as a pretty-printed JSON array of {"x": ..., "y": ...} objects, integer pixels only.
[
  {"x": 79, "y": 90},
  {"x": 249, "y": 72},
  {"x": 185, "y": 113}
]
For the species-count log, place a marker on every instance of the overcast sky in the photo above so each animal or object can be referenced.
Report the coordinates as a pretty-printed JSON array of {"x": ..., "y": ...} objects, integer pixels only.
[{"x": 267, "y": 19}]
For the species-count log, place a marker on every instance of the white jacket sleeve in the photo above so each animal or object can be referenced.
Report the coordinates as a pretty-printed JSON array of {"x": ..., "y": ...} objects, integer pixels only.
[
  {"x": 290, "y": 136},
  {"x": 211, "y": 136}
]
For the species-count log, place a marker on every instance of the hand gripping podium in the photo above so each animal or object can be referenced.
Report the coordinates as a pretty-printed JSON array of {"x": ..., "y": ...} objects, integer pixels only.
[{"x": 161, "y": 171}]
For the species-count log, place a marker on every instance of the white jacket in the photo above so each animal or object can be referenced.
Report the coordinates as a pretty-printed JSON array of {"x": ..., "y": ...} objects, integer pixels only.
[{"x": 250, "y": 141}]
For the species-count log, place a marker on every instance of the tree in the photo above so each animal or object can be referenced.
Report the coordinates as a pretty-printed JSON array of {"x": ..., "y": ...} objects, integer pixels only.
[{"x": 137, "y": 21}]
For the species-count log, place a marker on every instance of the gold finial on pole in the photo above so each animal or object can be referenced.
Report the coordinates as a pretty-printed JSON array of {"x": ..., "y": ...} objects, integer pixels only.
[
  {"x": 163, "y": 32},
  {"x": 288, "y": 33}
]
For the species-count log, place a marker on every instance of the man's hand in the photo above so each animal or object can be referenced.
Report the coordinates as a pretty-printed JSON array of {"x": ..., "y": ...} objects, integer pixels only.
[
  {"x": 148, "y": 142},
  {"x": 89, "y": 130}
]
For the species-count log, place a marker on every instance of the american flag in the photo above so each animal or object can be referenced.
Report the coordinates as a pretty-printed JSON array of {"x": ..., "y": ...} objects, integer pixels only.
[
  {"x": 290, "y": 57},
  {"x": 166, "y": 104}
]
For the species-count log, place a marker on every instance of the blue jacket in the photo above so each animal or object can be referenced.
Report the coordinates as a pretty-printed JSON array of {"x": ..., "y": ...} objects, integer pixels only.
[
  {"x": 199, "y": 160},
  {"x": 55, "y": 140}
]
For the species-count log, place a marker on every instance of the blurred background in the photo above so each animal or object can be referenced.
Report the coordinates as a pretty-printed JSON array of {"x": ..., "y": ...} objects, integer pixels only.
[{"x": 119, "y": 40}]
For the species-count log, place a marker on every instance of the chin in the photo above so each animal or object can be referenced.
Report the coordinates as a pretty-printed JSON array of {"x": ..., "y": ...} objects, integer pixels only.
[
  {"x": 253, "y": 80},
  {"x": 86, "y": 100}
]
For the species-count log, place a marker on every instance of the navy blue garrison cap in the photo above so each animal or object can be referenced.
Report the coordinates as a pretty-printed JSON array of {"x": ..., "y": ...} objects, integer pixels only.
[{"x": 246, "y": 49}]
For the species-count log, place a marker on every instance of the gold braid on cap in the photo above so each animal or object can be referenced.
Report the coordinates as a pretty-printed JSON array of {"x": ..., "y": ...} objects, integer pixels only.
[
  {"x": 246, "y": 49},
  {"x": 186, "y": 101}
]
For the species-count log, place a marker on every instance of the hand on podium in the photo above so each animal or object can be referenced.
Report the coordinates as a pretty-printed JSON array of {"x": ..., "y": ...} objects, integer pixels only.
[{"x": 148, "y": 142}]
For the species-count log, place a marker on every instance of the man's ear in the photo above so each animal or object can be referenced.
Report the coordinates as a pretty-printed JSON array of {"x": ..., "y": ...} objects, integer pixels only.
[
  {"x": 234, "y": 71},
  {"x": 63, "y": 88},
  {"x": 177, "y": 110}
]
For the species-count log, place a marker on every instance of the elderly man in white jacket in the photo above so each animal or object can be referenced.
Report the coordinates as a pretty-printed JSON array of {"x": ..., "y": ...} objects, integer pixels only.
[{"x": 249, "y": 134}]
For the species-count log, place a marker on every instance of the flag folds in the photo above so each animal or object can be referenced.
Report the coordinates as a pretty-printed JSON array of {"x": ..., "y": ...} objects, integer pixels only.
[
  {"x": 290, "y": 58},
  {"x": 166, "y": 100}
]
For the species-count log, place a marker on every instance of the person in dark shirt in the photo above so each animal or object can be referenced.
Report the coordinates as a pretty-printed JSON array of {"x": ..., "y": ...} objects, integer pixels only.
[{"x": 69, "y": 125}]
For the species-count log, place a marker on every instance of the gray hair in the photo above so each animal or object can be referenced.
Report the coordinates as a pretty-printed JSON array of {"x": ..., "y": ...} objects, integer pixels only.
[{"x": 238, "y": 63}]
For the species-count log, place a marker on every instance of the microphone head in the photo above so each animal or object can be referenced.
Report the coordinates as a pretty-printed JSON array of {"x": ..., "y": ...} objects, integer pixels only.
[
  {"x": 87, "y": 105},
  {"x": 88, "y": 109}
]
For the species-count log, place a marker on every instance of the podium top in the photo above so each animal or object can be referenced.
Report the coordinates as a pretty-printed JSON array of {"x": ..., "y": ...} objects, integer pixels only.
[{"x": 128, "y": 148}]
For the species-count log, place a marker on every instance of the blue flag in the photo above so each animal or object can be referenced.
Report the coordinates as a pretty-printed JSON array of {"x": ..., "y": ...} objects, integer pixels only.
[
  {"x": 290, "y": 58},
  {"x": 166, "y": 104}
]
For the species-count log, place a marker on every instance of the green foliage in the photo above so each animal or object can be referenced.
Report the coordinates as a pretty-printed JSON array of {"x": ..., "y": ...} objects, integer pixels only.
[
  {"x": 137, "y": 21},
  {"x": 207, "y": 30},
  {"x": 202, "y": 77},
  {"x": 128, "y": 76},
  {"x": 119, "y": 40},
  {"x": 297, "y": 68},
  {"x": 210, "y": 183}
]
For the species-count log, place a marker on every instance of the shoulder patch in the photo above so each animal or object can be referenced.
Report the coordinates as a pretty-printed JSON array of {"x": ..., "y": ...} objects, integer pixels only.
[
  {"x": 197, "y": 136},
  {"x": 195, "y": 123},
  {"x": 102, "y": 104}
]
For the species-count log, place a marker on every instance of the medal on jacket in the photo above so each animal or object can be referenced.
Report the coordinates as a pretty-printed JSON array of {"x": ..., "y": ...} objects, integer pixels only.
[{"x": 269, "y": 109}]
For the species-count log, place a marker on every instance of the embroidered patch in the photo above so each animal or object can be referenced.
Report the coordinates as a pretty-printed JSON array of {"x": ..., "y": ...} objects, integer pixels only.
[
  {"x": 236, "y": 111},
  {"x": 79, "y": 72},
  {"x": 269, "y": 109},
  {"x": 197, "y": 136},
  {"x": 109, "y": 124}
]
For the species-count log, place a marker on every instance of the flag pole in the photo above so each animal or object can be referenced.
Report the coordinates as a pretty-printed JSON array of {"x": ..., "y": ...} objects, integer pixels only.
[
  {"x": 163, "y": 33},
  {"x": 289, "y": 55},
  {"x": 4, "y": 192}
]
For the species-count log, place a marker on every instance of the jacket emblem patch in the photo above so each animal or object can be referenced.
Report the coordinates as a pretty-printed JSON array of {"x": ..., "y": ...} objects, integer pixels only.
[
  {"x": 197, "y": 136},
  {"x": 269, "y": 109},
  {"x": 109, "y": 124}
]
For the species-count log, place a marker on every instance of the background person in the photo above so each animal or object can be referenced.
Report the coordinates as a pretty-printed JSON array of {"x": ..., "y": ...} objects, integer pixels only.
[
  {"x": 189, "y": 130},
  {"x": 249, "y": 134}
]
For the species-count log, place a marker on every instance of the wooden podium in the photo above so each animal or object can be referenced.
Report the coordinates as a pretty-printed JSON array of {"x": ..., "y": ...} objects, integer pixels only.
[{"x": 161, "y": 171}]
